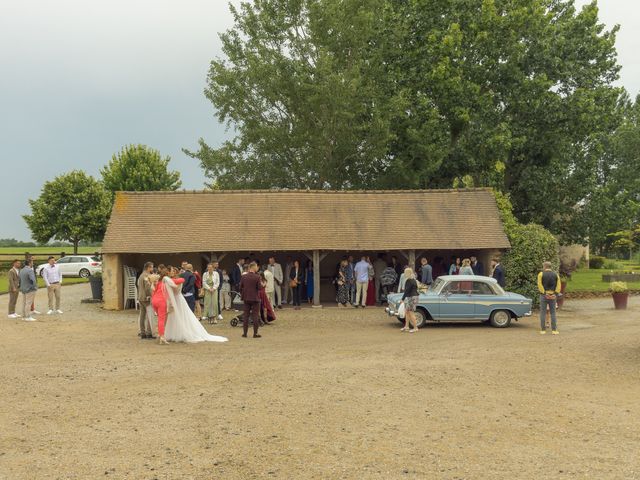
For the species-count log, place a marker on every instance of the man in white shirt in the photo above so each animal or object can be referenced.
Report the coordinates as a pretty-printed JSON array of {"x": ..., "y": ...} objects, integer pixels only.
[
  {"x": 362, "y": 282},
  {"x": 53, "y": 280},
  {"x": 276, "y": 269}
]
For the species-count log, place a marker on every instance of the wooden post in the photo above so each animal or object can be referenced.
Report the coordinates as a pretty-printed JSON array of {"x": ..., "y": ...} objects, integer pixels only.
[
  {"x": 412, "y": 259},
  {"x": 113, "y": 281},
  {"x": 316, "y": 279}
]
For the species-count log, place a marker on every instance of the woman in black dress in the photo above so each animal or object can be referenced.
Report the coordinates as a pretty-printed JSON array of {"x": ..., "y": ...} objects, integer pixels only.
[
  {"x": 343, "y": 287},
  {"x": 410, "y": 300}
]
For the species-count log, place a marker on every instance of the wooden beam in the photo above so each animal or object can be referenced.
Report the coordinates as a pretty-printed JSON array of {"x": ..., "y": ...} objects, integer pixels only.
[
  {"x": 405, "y": 255},
  {"x": 309, "y": 257},
  {"x": 316, "y": 278},
  {"x": 411, "y": 259}
]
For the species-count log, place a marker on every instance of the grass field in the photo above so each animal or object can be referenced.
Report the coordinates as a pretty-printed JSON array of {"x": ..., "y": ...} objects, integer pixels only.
[
  {"x": 590, "y": 280},
  {"x": 4, "y": 282},
  {"x": 20, "y": 251}
]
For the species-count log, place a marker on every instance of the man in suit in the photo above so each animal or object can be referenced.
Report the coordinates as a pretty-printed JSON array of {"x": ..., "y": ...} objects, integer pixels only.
[
  {"x": 250, "y": 284},
  {"x": 189, "y": 286},
  {"x": 276, "y": 269},
  {"x": 477, "y": 266},
  {"x": 28, "y": 288},
  {"x": 379, "y": 266},
  {"x": 236, "y": 275},
  {"x": 14, "y": 288},
  {"x": 144, "y": 299},
  {"x": 498, "y": 272}
]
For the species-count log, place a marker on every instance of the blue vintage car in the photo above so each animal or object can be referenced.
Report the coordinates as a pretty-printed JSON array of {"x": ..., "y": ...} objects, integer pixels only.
[{"x": 466, "y": 298}]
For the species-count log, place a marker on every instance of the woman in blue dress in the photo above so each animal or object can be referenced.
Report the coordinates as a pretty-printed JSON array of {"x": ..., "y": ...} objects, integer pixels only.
[{"x": 309, "y": 282}]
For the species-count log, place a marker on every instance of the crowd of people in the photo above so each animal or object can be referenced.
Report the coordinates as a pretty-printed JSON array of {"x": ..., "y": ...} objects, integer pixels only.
[{"x": 23, "y": 286}]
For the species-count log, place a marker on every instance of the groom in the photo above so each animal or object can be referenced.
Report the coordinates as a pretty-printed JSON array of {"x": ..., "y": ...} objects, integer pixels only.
[
  {"x": 144, "y": 299},
  {"x": 249, "y": 290},
  {"x": 189, "y": 286}
]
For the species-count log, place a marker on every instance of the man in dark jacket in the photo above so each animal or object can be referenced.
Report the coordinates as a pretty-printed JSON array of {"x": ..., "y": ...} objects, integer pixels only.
[
  {"x": 477, "y": 266},
  {"x": 250, "y": 293},
  {"x": 189, "y": 286},
  {"x": 498, "y": 272}
]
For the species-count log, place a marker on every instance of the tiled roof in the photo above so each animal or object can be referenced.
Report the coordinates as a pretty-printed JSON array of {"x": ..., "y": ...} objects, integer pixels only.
[{"x": 275, "y": 220}]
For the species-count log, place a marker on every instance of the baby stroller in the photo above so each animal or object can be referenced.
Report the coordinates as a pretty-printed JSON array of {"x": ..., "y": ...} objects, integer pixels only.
[{"x": 238, "y": 305}]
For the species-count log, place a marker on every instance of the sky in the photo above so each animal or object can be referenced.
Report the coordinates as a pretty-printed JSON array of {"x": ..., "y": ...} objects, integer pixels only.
[{"x": 79, "y": 80}]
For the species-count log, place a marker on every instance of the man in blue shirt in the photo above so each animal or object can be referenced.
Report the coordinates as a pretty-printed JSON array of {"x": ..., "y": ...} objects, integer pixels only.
[
  {"x": 426, "y": 272},
  {"x": 361, "y": 272}
]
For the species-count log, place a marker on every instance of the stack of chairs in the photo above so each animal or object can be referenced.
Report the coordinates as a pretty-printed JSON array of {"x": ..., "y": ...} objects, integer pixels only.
[{"x": 130, "y": 287}]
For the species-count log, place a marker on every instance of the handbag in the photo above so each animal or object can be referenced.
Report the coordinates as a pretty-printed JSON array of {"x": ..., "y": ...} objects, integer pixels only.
[
  {"x": 293, "y": 283},
  {"x": 401, "y": 311}
]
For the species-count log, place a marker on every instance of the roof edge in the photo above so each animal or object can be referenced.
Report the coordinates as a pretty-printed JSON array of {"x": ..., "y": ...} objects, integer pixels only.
[{"x": 351, "y": 192}]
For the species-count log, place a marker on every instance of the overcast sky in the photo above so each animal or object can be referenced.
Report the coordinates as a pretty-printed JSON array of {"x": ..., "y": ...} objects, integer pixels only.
[{"x": 81, "y": 79}]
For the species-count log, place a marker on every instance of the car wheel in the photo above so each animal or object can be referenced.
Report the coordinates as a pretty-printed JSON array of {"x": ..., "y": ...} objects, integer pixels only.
[
  {"x": 84, "y": 273},
  {"x": 500, "y": 319},
  {"x": 421, "y": 318}
]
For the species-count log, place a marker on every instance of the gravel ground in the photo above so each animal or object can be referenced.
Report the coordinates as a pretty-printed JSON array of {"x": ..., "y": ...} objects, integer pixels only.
[{"x": 324, "y": 394}]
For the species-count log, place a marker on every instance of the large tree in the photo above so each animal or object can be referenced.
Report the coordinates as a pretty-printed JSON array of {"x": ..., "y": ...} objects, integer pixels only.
[
  {"x": 138, "y": 168},
  {"x": 73, "y": 207},
  {"x": 516, "y": 94}
]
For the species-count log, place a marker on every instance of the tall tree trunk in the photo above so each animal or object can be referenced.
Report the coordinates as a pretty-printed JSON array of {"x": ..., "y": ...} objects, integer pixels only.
[{"x": 75, "y": 246}]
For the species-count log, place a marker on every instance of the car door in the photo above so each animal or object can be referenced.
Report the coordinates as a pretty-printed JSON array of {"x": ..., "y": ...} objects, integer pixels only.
[
  {"x": 484, "y": 298},
  {"x": 63, "y": 263},
  {"x": 76, "y": 264},
  {"x": 456, "y": 301}
]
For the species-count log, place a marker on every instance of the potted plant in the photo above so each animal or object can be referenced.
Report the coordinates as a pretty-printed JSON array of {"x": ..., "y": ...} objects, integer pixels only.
[
  {"x": 620, "y": 294},
  {"x": 567, "y": 267},
  {"x": 96, "y": 285}
]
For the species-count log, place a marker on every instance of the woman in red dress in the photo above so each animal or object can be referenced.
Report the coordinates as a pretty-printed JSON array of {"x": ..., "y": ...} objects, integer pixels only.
[{"x": 160, "y": 301}]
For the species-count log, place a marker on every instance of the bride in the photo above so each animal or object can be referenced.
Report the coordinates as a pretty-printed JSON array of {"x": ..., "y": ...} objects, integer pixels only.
[{"x": 182, "y": 324}]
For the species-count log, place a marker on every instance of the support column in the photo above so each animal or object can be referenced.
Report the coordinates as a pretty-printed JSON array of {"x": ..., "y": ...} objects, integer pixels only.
[
  {"x": 412, "y": 259},
  {"x": 316, "y": 279},
  {"x": 112, "y": 281}
]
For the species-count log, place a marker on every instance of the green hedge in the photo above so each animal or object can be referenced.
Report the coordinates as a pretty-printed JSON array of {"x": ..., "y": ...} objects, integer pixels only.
[
  {"x": 596, "y": 262},
  {"x": 530, "y": 246}
]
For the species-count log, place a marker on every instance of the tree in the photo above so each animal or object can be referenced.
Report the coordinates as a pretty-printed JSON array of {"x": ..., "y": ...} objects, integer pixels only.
[
  {"x": 73, "y": 207},
  {"x": 516, "y": 94},
  {"x": 298, "y": 86},
  {"x": 138, "y": 168}
]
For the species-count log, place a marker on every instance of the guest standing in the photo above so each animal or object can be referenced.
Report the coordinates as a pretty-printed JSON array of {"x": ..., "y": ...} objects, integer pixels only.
[
  {"x": 189, "y": 286},
  {"x": 351, "y": 279},
  {"x": 410, "y": 299},
  {"x": 297, "y": 283},
  {"x": 378, "y": 267},
  {"x": 225, "y": 291},
  {"x": 53, "y": 280},
  {"x": 477, "y": 266},
  {"x": 144, "y": 299},
  {"x": 343, "y": 287},
  {"x": 236, "y": 275},
  {"x": 216, "y": 267},
  {"x": 287, "y": 294},
  {"x": 270, "y": 286},
  {"x": 426, "y": 272},
  {"x": 454, "y": 269},
  {"x": 211, "y": 286},
  {"x": 466, "y": 267},
  {"x": 371, "y": 286},
  {"x": 309, "y": 281},
  {"x": 28, "y": 288},
  {"x": 361, "y": 271},
  {"x": 14, "y": 288},
  {"x": 549, "y": 286},
  {"x": 250, "y": 293},
  {"x": 498, "y": 272},
  {"x": 278, "y": 277}
]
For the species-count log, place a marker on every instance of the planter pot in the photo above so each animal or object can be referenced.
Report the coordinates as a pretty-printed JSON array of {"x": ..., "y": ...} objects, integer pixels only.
[
  {"x": 620, "y": 300},
  {"x": 563, "y": 287},
  {"x": 96, "y": 287}
]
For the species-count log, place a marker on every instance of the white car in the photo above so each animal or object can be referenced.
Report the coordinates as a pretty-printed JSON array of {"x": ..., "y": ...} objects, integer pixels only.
[{"x": 76, "y": 266}]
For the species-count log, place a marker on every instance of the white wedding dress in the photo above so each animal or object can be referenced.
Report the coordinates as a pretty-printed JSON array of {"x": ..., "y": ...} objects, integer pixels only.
[{"x": 182, "y": 324}]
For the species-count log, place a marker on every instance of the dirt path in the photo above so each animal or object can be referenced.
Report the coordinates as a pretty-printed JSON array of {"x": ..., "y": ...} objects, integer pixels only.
[{"x": 324, "y": 394}]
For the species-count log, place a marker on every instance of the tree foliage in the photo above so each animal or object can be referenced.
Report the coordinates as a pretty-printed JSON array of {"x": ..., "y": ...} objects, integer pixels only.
[
  {"x": 138, "y": 168},
  {"x": 73, "y": 207},
  {"x": 514, "y": 94}
]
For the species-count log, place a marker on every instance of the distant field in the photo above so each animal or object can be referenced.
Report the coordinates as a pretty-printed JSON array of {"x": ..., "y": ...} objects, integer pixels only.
[
  {"x": 40, "y": 250},
  {"x": 590, "y": 280}
]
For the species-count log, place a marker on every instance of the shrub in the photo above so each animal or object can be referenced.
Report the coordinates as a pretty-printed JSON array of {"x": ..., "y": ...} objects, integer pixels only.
[
  {"x": 596, "y": 262},
  {"x": 618, "y": 287},
  {"x": 530, "y": 246},
  {"x": 612, "y": 265}
]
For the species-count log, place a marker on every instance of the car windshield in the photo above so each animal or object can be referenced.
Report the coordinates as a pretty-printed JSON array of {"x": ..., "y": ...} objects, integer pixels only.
[
  {"x": 498, "y": 289},
  {"x": 437, "y": 285}
]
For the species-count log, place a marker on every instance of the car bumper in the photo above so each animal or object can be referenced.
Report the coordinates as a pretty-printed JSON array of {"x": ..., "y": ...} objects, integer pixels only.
[{"x": 391, "y": 312}]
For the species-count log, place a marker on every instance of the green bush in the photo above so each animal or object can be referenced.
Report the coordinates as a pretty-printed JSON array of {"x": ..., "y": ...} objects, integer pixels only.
[
  {"x": 530, "y": 246},
  {"x": 612, "y": 265},
  {"x": 596, "y": 262}
]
